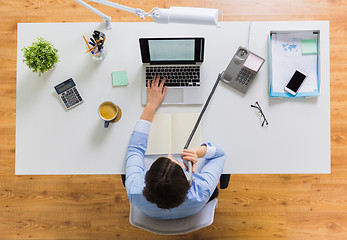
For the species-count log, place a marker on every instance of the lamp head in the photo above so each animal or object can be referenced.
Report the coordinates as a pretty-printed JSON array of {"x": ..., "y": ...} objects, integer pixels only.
[{"x": 189, "y": 15}]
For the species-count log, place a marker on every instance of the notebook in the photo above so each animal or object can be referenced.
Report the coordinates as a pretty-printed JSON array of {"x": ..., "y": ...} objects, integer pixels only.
[
  {"x": 170, "y": 131},
  {"x": 177, "y": 59}
]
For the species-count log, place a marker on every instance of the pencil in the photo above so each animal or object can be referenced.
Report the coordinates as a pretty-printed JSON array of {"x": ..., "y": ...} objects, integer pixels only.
[
  {"x": 87, "y": 43},
  {"x": 90, "y": 49}
]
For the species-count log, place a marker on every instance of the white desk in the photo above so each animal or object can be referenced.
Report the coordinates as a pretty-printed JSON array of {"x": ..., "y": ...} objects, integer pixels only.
[{"x": 50, "y": 140}]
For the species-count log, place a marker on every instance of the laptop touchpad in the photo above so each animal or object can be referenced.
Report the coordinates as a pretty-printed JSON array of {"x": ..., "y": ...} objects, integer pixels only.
[{"x": 173, "y": 95}]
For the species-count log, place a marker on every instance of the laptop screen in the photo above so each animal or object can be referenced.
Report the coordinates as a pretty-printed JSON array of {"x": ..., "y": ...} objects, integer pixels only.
[{"x": 172, "y": 50}]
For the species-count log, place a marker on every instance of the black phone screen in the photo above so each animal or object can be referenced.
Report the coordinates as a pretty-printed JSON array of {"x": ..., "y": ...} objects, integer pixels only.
[{"x": 296, "y": 81}]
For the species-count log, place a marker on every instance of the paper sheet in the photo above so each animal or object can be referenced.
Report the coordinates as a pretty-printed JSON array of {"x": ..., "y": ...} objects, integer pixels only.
[
  {"x": 287, "y": 57},
  {"x": 159, "y": 140},
  {"x": 183, "y": 124}
]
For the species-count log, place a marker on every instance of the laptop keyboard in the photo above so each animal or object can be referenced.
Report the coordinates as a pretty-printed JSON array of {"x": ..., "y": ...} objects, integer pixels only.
[{"x": 176, "y": 76}]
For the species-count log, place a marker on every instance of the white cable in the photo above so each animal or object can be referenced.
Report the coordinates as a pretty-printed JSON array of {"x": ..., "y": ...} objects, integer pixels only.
[
  {"x": 249, "y": 34},
  {"x": 221, "y": 13}
]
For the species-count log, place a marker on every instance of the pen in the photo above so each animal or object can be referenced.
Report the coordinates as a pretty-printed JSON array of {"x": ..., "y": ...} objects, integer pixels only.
[{"x": 99, "y": 44}]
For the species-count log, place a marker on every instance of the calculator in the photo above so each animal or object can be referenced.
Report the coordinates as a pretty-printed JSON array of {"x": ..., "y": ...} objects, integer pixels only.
[
  {"x": 242, "y": 69},
  {"x": 68, "y": 94}
]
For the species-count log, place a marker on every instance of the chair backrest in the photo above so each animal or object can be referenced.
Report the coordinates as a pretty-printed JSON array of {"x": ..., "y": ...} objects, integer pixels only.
[{"x": 192, "y": 223}]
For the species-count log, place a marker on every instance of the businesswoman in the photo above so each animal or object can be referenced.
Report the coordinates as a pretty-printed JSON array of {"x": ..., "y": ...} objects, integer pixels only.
[{"x": 163, "y": 191}]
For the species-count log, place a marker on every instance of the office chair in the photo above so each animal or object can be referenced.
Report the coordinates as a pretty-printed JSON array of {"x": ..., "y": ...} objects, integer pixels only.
[{"x": 177, "y": 226}]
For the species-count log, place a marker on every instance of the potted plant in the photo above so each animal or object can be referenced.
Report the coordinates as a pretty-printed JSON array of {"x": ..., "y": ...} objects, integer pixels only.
[{"x": 41, "y": 56}]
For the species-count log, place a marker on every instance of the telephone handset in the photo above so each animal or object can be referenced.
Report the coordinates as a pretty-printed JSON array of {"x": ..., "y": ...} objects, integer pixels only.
[
  {"x": 242, "y": 69},
  {"x": 189, "y": 174}
]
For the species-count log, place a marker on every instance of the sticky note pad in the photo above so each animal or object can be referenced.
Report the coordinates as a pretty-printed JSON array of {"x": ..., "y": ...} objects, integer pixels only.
[
  {"x": 308, "y": 46},
  {"x": 253, "y": 62},
  {"x": 120, "y": 78}
]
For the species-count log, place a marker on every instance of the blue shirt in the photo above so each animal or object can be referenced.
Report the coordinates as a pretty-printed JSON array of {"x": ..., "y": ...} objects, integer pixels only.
[{"x": 204, "y": 183}]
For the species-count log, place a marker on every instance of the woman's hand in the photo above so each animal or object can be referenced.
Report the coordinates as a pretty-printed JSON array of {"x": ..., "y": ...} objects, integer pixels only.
[
  {"x": 156, "y": 92},
  {"x": 193, "y": 154},
  {"x": 155, "y": 96}
]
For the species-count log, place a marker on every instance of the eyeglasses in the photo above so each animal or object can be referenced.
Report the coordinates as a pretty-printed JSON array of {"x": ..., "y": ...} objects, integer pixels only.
[{"x": 260, "y": 113}]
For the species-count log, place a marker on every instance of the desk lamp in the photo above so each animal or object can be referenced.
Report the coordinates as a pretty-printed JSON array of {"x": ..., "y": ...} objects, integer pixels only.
[{"x": 205, "y": 16}]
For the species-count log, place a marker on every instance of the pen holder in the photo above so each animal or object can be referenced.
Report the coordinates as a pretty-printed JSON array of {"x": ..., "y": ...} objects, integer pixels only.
[
  {"x": 95, "y": 45},
  {"x": 100, "y": 55}
]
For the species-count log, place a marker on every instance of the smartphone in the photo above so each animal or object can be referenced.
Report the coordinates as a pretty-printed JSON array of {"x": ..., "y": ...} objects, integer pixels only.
[{"x": 295, "y": 82}]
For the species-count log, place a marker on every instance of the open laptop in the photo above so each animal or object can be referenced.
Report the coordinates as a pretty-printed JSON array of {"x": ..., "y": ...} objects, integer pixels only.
[{"x": 177, "y": 59}]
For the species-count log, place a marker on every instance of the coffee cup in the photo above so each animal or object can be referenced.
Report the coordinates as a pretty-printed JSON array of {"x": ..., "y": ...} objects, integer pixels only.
[{"x": 108, "y": 111}]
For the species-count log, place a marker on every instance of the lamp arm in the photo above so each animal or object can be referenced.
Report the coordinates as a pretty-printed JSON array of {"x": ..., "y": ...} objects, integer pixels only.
[
  {"x": 172, "y": 15},
  {"x": 137, "y": 11},
  {"x": 102, "y": 15}
]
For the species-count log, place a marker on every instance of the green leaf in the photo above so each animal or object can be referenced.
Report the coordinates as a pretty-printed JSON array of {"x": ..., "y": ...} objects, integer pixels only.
[{"x": 41, "y": 56}]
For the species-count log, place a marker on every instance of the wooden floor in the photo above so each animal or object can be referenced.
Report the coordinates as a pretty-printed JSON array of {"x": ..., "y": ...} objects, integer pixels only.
[{"x": 96, "y": 207}]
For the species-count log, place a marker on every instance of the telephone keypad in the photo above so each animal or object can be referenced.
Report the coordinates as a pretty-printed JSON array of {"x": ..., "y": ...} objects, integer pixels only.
[{"x": 244, "y": 76}]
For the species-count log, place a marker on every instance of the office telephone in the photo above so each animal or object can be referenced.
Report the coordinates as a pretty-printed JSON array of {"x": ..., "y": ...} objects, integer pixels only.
[{"x": 242, "y": 69}]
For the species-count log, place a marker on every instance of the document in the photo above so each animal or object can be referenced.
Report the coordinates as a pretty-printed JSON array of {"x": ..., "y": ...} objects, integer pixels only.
[
  {"x": 170, "y": 132},
  {"x": 287, "y": 57}
]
